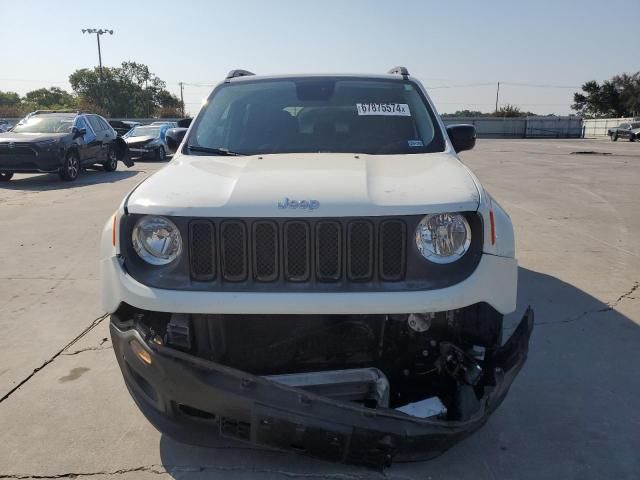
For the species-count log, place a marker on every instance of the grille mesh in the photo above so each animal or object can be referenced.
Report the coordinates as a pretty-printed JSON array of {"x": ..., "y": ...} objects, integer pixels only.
[
  {"x": 360, "y": 261},
  {"x": 234, "y": 251},
  {"x": 265, "y": 241},
  {"x": 328, "y": 251},
  {"x": 392, "y": 250},
  {"x": 202, "y": 251},
  {"x": 296, "y": 251}
]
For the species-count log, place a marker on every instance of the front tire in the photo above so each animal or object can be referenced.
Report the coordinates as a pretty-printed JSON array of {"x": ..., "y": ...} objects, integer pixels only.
[
  {"x": 5, "y": 176},
  {"x": 70, "y": 168},
  {"x": 614, "y": 137},
  {"x": 112, "y": 161},
  {"x": 161, "y": 154}
]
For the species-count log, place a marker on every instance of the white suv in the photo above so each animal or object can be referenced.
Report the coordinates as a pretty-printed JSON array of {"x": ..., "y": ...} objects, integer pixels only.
[{"x": 316, "y": 270}]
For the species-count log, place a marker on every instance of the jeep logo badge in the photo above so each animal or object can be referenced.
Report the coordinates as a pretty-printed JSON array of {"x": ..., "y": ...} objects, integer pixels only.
[{"x": 299, "y": 204}]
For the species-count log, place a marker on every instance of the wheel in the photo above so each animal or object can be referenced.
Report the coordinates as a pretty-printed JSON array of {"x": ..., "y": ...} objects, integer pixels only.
[
  {"x": 161, "y": 154},
  {"x": 632, "y": 138},
  {"x": 614, "y": 137},
  {"x": 112, "y": 161},
  {"x": 70, "y": 168},
  {"x": 5, "y": 176}
]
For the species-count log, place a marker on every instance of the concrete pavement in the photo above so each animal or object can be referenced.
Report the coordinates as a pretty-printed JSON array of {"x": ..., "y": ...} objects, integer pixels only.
[{"x": 572, "y": 413}]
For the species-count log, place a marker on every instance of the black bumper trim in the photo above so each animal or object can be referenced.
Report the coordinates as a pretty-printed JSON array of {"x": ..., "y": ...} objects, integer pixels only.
[{"x": 251, "y": 408}]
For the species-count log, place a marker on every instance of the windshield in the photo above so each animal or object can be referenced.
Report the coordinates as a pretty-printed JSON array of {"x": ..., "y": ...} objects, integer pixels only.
[
  {"x": 317, "y": 115},
  {"x": 46, "y": 124},
  {"x": 143, "y": 132}
]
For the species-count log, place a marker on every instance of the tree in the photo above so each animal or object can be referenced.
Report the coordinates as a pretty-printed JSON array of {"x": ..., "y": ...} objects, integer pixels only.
[
  {"x": 10, "y": 104},
  {"x": 617, "y": 97},
  {"x": 509, "y": 110},
  {"x": 629, "y": 87},
  {"x": 49, "y": 98},
  {"x": 130, "y": 90}
]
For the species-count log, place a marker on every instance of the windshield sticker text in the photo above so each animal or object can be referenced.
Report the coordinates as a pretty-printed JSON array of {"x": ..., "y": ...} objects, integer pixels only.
[{"x": 391, "y": 109}]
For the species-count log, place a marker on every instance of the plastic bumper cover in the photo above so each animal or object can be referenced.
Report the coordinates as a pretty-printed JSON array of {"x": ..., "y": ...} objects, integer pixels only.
[{"x": 254, "y": 409}]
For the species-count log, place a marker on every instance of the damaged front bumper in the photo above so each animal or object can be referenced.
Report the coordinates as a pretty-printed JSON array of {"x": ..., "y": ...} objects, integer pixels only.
[{"x": 195, "y": 400}]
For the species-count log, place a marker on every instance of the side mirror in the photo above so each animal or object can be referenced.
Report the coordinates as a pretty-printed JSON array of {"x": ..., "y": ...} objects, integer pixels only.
[
  {"x": 463, "y": 137},
  {"x": 174, "y": 138},
  {"x": 79, "y": 132}
]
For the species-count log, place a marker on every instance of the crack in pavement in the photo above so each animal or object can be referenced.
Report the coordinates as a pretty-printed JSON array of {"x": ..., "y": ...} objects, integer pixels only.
[
  {"x": 91, "y": 326},
  {"x": 88, "y": 349},
  {"x": 174, "y": 469},
  {"x": 609, "y": 307}
]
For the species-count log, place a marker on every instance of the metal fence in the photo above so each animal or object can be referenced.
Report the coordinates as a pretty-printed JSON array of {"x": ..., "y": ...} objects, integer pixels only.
[
  {"x": 597, "y": 127},
  {"x": 487, "y": 127},
  {"x": 522, "y": 127}
]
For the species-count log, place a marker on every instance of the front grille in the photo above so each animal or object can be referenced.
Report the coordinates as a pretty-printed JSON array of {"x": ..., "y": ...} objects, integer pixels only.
[
  {"x": 298, "y": 250},
  {"x": 23, "y": 151}
]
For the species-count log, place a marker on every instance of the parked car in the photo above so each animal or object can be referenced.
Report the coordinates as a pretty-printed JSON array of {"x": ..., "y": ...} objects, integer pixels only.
[
  {"x": 630, "y": 130},
  {"x": 171, "y": 124},
  {"x": 148, "y": 141},
  {"x": 122, "y": 126},
  {"x": 316, "y": 271},
  {"x": 62, "y": 142}
]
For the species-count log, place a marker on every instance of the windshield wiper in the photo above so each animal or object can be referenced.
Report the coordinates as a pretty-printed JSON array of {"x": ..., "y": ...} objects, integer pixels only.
[{"x": 215, "y": 151}]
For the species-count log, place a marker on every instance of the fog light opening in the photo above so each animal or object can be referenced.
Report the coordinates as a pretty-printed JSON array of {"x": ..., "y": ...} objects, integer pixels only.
[{"x": 141, "y": 353}]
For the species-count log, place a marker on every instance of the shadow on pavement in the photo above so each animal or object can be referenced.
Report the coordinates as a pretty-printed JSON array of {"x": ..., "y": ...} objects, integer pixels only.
[
  {"x": 51, "y": 181},
  {"x": 572, "y": 413}
]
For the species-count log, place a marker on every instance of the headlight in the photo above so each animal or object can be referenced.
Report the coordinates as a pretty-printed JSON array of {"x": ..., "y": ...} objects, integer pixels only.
[
  {"x": 443, "y": 237},
  {"x": 156, "y": 240}
]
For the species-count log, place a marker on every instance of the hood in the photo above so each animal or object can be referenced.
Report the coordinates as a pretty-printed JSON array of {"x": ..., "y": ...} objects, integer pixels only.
[
  {"x": 139, "y": 140},
  {"x": 341, "y": 184},
  {"x": 29, "y": 137}
]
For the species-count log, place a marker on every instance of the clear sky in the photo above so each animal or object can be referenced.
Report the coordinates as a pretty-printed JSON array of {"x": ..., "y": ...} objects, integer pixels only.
[{"x": 444, "y": 43}]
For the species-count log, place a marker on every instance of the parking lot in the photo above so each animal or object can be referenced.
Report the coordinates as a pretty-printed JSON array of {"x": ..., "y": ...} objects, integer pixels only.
[{"x": 572, "y": 413}]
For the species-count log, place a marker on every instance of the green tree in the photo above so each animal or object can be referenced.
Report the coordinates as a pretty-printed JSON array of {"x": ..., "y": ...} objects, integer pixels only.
[
  {"x": 130, "y": 90},
  {"x": 49, "y": 98},
  {"x": 10, "y": 104},
  {"x": 617, "y": 97},
  {"x": 509, "y": 110}
]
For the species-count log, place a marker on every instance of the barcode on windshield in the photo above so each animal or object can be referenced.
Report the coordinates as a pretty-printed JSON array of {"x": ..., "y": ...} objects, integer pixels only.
[{"x": 395, "y": 109}]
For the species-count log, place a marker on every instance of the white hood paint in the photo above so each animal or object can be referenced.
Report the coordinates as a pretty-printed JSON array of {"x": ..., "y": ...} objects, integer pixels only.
[{"x": 344, "y": 184}]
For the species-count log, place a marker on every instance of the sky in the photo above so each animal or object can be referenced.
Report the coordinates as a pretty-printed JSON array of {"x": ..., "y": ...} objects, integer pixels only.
[{"x": 541, "y": 51}]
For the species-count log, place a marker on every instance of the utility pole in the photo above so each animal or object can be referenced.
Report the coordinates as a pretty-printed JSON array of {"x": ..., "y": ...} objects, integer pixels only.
[
  {"x": 497, "y": 96},
  {"x": 181, "y": 98}
]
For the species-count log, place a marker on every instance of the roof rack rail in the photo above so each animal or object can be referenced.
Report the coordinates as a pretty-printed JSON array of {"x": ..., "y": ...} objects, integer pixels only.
[
  {"x": 399, "y": 71},
  {"x": 238, "y": 73},
  {"x": 58, "y": 111}
]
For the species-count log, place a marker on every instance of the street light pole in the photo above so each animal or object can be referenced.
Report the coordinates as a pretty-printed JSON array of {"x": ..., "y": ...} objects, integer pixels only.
[{"x": 98, "y": 32}]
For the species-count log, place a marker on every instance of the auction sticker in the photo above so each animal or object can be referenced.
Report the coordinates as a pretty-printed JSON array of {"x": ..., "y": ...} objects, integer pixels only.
[{"x": 391, "y": 109}]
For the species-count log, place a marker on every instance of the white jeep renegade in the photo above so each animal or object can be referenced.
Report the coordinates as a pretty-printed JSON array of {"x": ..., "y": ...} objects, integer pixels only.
[{"x": 316, "y": 270}]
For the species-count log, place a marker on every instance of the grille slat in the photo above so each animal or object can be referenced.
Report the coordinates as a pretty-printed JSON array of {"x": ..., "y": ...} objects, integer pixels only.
[{"x": 298, "y": 250}]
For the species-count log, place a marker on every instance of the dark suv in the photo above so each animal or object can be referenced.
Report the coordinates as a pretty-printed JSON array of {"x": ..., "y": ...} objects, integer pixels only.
[{"x": 62, "y": 142}]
